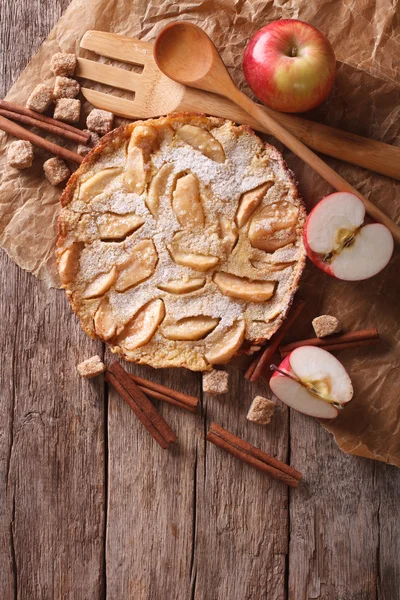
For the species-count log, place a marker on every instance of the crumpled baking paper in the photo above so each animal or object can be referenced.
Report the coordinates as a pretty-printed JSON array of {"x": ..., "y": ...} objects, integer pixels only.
[{"x": 365, "y": 100}]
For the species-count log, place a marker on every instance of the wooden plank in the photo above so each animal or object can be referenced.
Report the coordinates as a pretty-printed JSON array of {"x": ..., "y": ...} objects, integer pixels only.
[
  {"x": 51, "y": 441},
  {"x": 151, "y": 496},
  {"x": 241, "y": 518},
  {"x": 8, "y": 320},
  {"x": 387, "y": 483},
  {"x": 334, "y": 533},
  {"x": 56, "y": 453}
]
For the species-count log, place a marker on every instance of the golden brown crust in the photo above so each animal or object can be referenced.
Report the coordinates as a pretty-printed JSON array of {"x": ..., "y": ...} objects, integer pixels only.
[{"x": 87, "y": 308}]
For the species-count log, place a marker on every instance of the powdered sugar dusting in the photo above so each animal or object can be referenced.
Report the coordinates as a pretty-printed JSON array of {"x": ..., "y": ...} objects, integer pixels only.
[{"x": 247, "y": 165}]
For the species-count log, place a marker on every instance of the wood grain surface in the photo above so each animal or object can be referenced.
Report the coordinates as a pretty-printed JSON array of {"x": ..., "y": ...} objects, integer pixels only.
[{"x": 91, "y": 508}]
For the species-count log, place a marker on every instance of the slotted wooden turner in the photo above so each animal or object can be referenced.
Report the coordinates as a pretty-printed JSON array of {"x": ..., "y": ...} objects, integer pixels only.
[{"x": 157, "y": 95}]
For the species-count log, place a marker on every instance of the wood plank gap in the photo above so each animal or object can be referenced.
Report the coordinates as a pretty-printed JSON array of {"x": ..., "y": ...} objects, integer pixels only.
[
  {"x": 193, "y": 569},
  {"x": 378, "y": 545},
  {"x": 289, "y": 496},
  {"x": 12, "y": 549},
  {"x": 106, "y": 487},
  {"x": 9, "y": 458},
  {"x": 205, "y": 427}
]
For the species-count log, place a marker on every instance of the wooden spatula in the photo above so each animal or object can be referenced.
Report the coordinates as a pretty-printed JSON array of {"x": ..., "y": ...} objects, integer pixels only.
[{"x": 157, "y": 95}]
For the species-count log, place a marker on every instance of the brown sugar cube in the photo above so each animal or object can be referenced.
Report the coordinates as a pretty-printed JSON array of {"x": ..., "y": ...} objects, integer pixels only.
[
  {"x": 41, "y": 98},
  {"x": 63, "y": 64},
  {"x": 100, "y": 121},
  {"x": 65, "y": 87},
  {"x": 94, "y": 137},
  {"x": 261, "y": 410},
  {"x": 326, "y": 325},
  {"x": 215, "y": 382},
  {"x": 91, "y": 367},
  {"x": 93, "y": 141},
  {"x": 20, "y": 155},
  {"x": 83, "y": 150},
  {"x": 56, "y": 170},
  {"x": 67, "y": 109}
]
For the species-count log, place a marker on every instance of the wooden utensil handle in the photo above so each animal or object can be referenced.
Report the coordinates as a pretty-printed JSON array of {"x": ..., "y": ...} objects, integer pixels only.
[
  {"x": 355, "y": 149},
  {"x": 310, "y": 158}
]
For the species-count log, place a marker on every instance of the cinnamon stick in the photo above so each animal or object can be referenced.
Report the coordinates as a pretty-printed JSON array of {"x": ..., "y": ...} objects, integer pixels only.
[
  {"x": 141, "y": 405},
  {"x": 165, "y": 398},
  {"x": 65, "y": 133},
  {"x": 253, "y": 456},
  {"x": 21, "y": 110},
  {"x": 255, "y": 371},
  {"x": 352, "y": 339},
  {"x": 24, "y": 134},
  {"x": 174, "y": 397},
  {"x": 344, "y": 346}
]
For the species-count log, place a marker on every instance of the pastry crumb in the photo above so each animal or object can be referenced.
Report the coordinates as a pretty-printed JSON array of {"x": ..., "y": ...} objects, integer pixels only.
[
  {"x": 261, "y": 410},
  {"x": 92, "y": 367},
  {"x": 326, "y": 325},
  {"x": 215, "y": 382}
]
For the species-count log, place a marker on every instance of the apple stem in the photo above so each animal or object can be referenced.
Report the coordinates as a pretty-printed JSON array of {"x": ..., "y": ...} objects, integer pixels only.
[
  {"x": 293, "y": 51},
  {"x": 275, "y": 368}
]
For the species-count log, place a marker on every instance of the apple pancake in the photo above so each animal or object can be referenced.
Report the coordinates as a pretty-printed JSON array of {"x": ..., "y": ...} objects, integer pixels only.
[{"x": 180, "y": 241}]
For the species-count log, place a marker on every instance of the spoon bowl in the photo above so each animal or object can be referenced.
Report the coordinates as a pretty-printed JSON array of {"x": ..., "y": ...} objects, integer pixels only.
[{"x": 185, "y": 53}]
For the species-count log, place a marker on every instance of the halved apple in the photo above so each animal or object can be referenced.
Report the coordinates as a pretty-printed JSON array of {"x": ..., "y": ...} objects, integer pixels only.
[
  {"x": 337, "y": 242},
  {"x": 199, "y": 262},
  {"x": 101, "y": 284},
  {"x": 143, "y": 326},
  {"x": 190, "y": 328},
  {"x": 177, "y": 286},
  {"x": 243, "y": 288},
  {"x": 313, "y": 382},
  {"x": 227, "y": 345}
]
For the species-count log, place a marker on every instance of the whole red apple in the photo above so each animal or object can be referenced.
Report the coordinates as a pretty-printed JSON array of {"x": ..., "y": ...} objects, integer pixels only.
[{"x": 289, "y": 65}]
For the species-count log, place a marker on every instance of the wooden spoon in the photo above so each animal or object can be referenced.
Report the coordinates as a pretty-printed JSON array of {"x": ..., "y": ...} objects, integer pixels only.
[{"x": 186, "y": 54}]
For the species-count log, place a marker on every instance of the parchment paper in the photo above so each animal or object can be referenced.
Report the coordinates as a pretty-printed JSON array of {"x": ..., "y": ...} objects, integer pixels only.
[{"x": 365, "y": 100}]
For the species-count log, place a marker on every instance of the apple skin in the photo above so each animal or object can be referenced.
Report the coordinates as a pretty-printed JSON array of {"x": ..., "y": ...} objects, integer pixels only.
[
  {"x": 315, "y": 257},
  {"x": 287, "y": 82}
]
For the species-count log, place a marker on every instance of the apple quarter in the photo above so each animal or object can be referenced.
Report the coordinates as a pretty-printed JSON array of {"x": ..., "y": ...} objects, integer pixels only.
[{"x": 316, "y": 383}]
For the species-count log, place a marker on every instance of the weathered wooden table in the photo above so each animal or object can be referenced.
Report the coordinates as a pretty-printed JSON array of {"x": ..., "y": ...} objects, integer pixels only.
[{"x": 91, "y": 507}]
